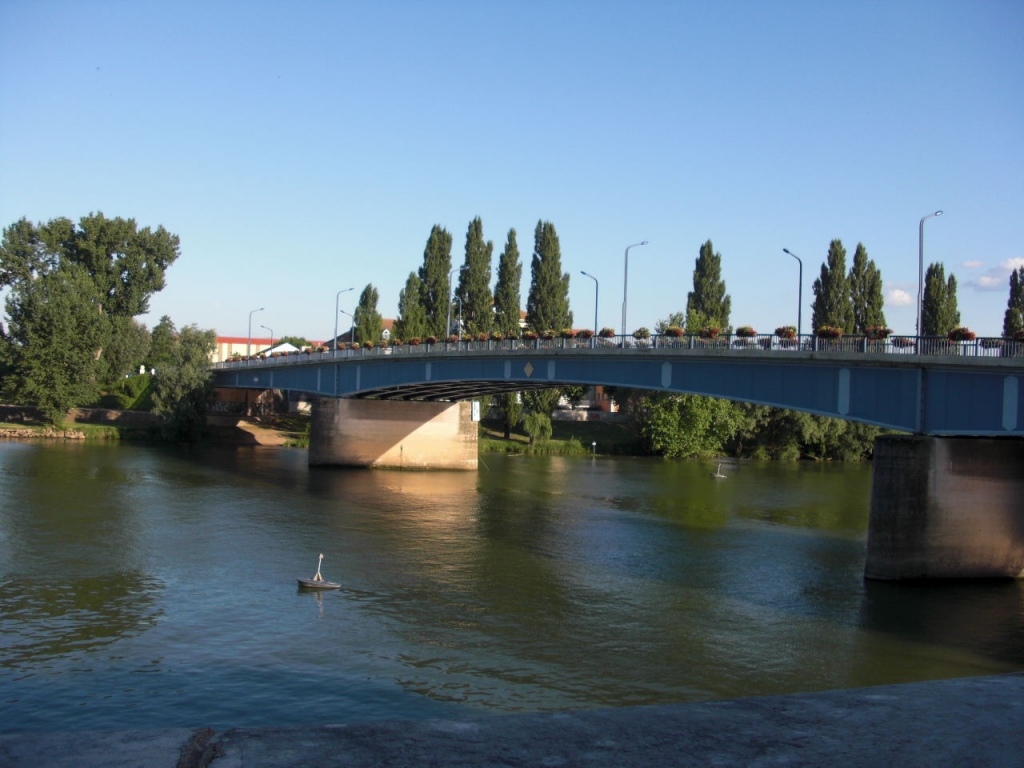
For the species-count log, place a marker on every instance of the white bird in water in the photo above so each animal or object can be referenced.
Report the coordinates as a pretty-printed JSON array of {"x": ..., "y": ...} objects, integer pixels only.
[
  {"x": 318, "y": 577},
  {"x": 718, "y": 473}
]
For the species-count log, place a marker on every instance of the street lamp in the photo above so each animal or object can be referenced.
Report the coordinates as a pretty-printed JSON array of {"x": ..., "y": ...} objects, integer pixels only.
[
  {"x": 920, "y": 271},
  {"x": 459, "y": 299},
  {"x": 271, "y": 335},
  {"x": 799, "y": 296},
  {"x": 336, "y": 297},
  {"x": 625, "y": 282},
  {"x": 248, "y": 344},
  {"x": 593, "y": 339},
  {"x": 448, "y": 328}
]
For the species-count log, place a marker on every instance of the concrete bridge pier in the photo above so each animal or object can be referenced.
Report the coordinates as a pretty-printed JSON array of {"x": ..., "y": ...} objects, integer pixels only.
[
  {"x": 946, "y": 508},
  {"x": 394, "y": 434}
]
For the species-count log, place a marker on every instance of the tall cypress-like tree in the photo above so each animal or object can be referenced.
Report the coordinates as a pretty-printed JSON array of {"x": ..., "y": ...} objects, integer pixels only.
[
  {"x": 547, "y": 307},
  {"x": 437, "y": 265},
  {"x": 707, "y": 305},
  {"x": 866, "y": 292},
  {"x": 939, "y": 313},
  {"x": 1013, "y": 319},
  {"x": 507, "y": 288},
  {"x": 367, "y": 318},
  {"x": 412, "y": 317},
  {"x": 475, "y": 281},
  {"x": 832, "y": 305}
]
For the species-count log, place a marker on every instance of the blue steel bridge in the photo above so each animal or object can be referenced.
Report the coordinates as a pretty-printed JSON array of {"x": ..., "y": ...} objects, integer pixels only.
[{"x": 949, "y": 388}]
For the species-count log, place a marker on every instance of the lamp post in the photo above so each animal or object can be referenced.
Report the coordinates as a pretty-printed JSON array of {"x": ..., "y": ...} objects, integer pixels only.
[
  {"x": 593, "y": 339},
  {"x": 625, "y": 282},
  {"x": 448, "y": 328},
  {"x": 799, "y": 296},
  {"x": 248, "y": 343},
  {"x": 336, "y": 297},
  {"x": 271, "y": 335},
  {"x": 459, "y": 334},
  {"x": 920, "y": 272}
]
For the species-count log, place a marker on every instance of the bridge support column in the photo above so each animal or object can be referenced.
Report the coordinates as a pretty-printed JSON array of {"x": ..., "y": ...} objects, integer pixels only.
[
  {"x": 946, "y": 508},
  {"x": 393, "y": 434}
]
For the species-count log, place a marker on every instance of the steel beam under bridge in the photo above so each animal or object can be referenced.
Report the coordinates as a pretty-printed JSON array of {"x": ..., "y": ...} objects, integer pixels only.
[{"x": 935, "y": 396}]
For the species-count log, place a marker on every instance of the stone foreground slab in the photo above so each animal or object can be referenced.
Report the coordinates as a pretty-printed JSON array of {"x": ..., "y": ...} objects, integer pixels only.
[{"x": 962, "y": 722}]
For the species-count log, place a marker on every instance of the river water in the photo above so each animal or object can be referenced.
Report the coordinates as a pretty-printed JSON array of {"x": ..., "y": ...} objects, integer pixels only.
[{"x": 147, "y": 587}]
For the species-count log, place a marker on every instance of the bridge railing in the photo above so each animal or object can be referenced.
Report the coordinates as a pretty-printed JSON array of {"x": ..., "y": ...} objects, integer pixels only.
[{"x": 893, "y": 345}]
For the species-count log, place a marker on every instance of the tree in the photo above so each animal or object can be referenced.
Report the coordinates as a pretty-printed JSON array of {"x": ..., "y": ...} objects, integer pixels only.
[
  {"x": 474, "y": 289},
  {"x": 161, "y": 343},
  {"x": 547, "y": 307},
  {"x": 55, "y": 328},
  {"x": 676, "y": 319},
  {"x": 510, "y": 411},
  {"x": 537, "y": 427},
  {"x": 437, "y": 264},
  {"x": 707, "y": 305},
  {"x": 681, "y": 426},
  {"x": 183, "y": 386},
  {"x": 865, "y": 292},
  {"x": 832, "y": 304},
  {"x": 507, "y": 288},
  {"x": 412, "y": 317},
  {"x": 368, "y": 322},
  {"x": 126, "y": 350},
  {"x": 939, "y": 313},
  {"x": 1013, "y": 319}
]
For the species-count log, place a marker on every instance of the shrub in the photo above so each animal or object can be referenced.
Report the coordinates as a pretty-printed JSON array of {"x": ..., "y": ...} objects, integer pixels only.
[
  {"x": 746, "y": 332},
  {"x": 674, "y": 331},
  {"x": 586, "y": 333},
  {"x": 530, "y": 335},
  {"x": 431, "y": 340},
  {"x": 786, "y": 331},
  {"x": 828, "y": 332},
  {"x": 709, "y": 332},
  {"x": 641, "y": 333},
  {"x": 497, "y": 336},
  {"x": 877, "y": 332},
  {"x": 607, "y": 333},
  {"x": 960, "y": 334}
]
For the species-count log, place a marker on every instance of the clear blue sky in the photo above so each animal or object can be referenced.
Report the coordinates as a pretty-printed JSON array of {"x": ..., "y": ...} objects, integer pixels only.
[{"x": 301, "y": 148}]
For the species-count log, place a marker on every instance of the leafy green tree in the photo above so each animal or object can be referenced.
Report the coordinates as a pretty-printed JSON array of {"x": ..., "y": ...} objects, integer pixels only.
[
  {"x": 574, "y": 395},
  {"x": 509, "y": 406},
  {"x": 474, "y": 289},
  {"x": 55, "y": 328},
  {"x": 507, "y": 288},
  {"x": 939, "y": 313},
  {"x": 547, "y": 306},
  {"x": 832, "y": 304},
  {"x": 682, "y": 426},
  {"x": 367, "y": 319},
  {"x": 707, "y": 305},
  {"x": 677, "y": 319},
  {"x": 182, "y": 388},
  {"x": 537, "y": 426},
  {"x": 412, "y": 317},
  {"x": 866, "y": 292},
  {"x": 161, "y": 343},
  {"x": 127, "y": 348},
  {"x": 437, "y": 264},
  {"x": 1013, "y": 319}
]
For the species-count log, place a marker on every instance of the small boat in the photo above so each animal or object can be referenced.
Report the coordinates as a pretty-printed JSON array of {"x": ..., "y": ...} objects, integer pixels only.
[
  {"x": 717, "y": 474},
  {"x": 317, "y": 581}
]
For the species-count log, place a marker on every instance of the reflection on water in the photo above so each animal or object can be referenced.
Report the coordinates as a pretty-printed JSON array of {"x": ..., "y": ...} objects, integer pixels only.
[{"x": 143, "y": 587}]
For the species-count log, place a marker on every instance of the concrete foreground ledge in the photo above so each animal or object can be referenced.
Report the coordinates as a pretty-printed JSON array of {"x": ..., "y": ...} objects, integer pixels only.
[{"x": 964, "y": 722}]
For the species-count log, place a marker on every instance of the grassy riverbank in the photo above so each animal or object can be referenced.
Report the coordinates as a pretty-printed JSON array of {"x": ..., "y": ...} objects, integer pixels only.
[{"x": 568, "y": 438}]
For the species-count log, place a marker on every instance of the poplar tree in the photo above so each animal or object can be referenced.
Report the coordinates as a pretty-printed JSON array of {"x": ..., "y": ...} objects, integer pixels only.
[
  {"x": 474, "y": 288},
  {"x": 866, "y": 292},
  {"x": 832, "y": 304},
  {"x": 939, "y": 313},
  {"x": 547, "y": 307},
  {"x": 368, "y": 323},
  {"x": 707, "y": 305},
  {"x": 437, "y": 264},
  {"x": 507, "y": 288},
  {"x": 1013, "y": 319},
  {"x": 412, "y": 317}
]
